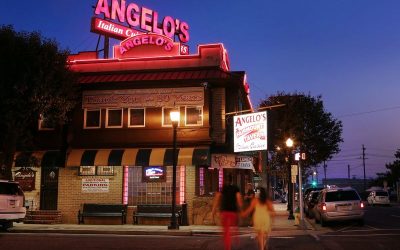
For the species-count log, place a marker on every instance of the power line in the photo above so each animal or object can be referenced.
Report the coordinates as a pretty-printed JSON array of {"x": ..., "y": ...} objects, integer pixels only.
[{"x": 369, "y": 112}]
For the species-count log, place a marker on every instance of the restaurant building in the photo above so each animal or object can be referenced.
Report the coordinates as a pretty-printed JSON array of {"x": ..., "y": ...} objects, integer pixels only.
[{"x": 119, "y": 144}]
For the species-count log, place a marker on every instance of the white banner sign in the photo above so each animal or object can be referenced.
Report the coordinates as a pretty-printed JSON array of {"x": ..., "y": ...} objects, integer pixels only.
[
  {"x": 95, "y": 185},
  {"x": 232, "y": 161},
  {"x": 250, "y": 132}
]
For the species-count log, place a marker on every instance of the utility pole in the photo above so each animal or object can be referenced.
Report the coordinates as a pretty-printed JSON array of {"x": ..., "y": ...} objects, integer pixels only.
[
  {"x": 363, "y": 158},
  {"x": 324, "y": 173},
  {"x": 348, "y": 171}
]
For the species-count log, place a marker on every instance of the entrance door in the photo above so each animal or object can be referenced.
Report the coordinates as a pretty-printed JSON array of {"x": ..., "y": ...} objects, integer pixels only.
[{"x": 49, "y": 189}]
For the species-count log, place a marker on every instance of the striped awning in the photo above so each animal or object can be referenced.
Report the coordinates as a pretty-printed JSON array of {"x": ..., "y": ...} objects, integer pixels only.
[{"x": 138, "y": 157}]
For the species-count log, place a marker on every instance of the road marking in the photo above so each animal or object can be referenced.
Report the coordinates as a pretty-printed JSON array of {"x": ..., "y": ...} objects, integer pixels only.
[
  {"x": 314, "y": 236},
  {"x": 360, "y": 235},
  {"x": 281, "y": 237}
]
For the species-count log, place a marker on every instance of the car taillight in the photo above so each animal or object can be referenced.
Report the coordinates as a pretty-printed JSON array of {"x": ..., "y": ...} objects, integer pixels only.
[
  {"x": 323, "y": 206},
  {"x": 361, "y": 204}
]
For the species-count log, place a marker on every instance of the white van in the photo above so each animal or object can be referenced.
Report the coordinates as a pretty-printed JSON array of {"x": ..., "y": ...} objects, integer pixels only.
[
  {"x": 380, "y": 197},
  {"x": 12, "y": 201}
]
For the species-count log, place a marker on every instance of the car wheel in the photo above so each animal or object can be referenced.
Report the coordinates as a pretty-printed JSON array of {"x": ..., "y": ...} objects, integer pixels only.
[
  {"x": 6, "y": 225},
  {"x": 323, "y": 223}
]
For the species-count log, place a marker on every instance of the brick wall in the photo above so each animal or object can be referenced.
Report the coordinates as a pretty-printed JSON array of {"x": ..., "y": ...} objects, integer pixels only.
[
  {"x": 190, "y": 190},
  {"x": 218, "y": 115},
  {"x": 70, "y": 195}
]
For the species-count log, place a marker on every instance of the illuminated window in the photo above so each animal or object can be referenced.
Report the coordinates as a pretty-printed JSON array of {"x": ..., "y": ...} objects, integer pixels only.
[
  {"x": 207, "y": 180},
  {"x": 92, "y": 118},
  {"x": 136, "y": 117},
  {"x": 105, "y": 170},
  {"x": 166, "y": 119},
  {"x": 45, "y": 124},
  {"x": 194, "y": 116},
  {"x": 181, "y": 184},
  {"x": 87, "y": 170},
  {"x": 114, "y": 118}
]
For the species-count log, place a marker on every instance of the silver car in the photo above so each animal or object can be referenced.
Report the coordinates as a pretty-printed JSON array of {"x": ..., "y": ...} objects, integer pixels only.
[
  {"x": 12, "y": 201},
  {"x": 339, "y": 204},
  {"x": 380, "y": 197}
]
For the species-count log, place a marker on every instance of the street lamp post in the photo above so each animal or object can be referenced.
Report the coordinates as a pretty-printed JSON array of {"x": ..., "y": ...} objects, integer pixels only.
[
  {"x": 289, "y": 144},
  {"x": 175, "y": 116}
]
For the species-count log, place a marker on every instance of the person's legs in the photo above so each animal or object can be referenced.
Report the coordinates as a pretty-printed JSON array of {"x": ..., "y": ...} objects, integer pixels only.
[
  {"x": 260, "y": 239},
  {"x": 228, "y": 219}
]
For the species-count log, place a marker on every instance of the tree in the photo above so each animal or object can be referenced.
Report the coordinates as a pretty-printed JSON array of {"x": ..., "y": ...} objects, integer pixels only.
[
  {"x": 304, "y": 119},
  {"x": 393, "y": 173},
  {"x": 35, "y": 81}
]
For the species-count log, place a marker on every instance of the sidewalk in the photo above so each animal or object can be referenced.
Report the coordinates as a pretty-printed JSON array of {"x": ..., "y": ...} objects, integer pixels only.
[{"x": 281, "y": 227}]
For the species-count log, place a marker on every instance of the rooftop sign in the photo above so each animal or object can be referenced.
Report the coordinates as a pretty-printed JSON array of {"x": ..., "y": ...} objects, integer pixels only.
[{"x": 138, "y": 19}]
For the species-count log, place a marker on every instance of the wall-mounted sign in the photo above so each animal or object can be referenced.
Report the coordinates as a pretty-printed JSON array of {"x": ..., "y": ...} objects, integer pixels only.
[
  {"x": 154, "y": 174},
  {"x": 95, "y": 185},
  {"x": 250, "y": 132},
  {"x": 232, "y": 161},
  {"x": 161, "y": 97},
  {"x": 137, "y": 17},
  {"x": 26, "y": 178}
]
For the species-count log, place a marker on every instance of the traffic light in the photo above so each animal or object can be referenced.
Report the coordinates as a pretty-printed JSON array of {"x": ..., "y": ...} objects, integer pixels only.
[{"x": 314, "y": 183}]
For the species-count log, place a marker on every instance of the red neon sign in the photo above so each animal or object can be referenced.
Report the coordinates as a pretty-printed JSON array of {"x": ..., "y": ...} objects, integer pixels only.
[
  {"x": 146, "y": 39},
  {"x": 143, "y": 18},
  {"x": 113, "y": 30}
]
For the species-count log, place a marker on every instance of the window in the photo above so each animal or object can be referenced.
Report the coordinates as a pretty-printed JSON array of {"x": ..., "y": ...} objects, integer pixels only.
[
  {"x": 87, "y": 170},
  {"x": 114, "y": 118},
  {"x": 194, "y": 116},
  {"x": 207, "y": 180},
  {"x": 136, "y": 117},
  {"x": 166, "y": 117},
  {"x": 105, "y": 170},
  {"x": 45, "y": 124},
  {"x": 93, "y": 170},
  {"x": 92, "y": 118},
  {"x": 139, "y": 192}
]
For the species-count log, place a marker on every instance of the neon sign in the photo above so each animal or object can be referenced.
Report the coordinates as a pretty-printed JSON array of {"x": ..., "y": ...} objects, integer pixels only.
[
  {"x": 146, "y": 39},
  {"x": 141, "y": 18}
]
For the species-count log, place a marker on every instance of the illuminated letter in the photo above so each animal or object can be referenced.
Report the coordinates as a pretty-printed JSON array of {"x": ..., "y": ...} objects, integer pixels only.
[
  {"x": 145, "y": 19},
  {"x": 155, "y": 24},
  {"x": 131, "y": 15},
  {"x": 122, "y": 50},
  {"x": 184, "y": 36},
  {"x": 159, "y": 41},
  {"x": 169, "y": 27},
  {"x": 102, "y": 7},
  {"x": 116, "y": 9}
]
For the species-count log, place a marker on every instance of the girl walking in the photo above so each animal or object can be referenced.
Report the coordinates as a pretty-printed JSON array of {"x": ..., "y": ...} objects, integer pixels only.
[{"x": 263, "y": 210}]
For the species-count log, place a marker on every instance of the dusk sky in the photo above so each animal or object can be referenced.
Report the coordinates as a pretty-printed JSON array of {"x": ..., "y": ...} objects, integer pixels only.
[{"x": 348, "y": 51}]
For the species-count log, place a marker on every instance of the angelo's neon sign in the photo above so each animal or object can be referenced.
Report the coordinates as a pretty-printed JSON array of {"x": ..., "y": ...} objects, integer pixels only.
[{"x": 143, "y": 18}]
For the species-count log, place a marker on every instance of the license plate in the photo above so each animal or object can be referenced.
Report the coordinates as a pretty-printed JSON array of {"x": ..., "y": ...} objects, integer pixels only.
[
  {"x": 344, "y": 208},
  {"x": 12, "y": 202}
]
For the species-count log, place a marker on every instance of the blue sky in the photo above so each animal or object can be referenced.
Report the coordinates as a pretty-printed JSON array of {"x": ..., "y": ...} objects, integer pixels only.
[{"x": 345, "y": 50}]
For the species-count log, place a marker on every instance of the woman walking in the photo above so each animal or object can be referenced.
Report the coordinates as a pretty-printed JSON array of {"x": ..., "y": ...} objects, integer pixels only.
[{"x": 263, "y": 210}]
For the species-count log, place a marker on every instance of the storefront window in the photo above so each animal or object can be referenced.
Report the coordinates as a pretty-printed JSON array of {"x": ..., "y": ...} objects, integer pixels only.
[
  {"x": 194, "y": 116},
  {"x": 207, "y": 180},
  {"x": 136, "y": 117},
  {"x": 140, "y": 192},
  {"x": 114, "y": 118},
  {"x": 92, "y": 118}
]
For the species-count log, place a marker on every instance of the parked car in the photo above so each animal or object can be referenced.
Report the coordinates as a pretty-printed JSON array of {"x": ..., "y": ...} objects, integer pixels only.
[
  {"x": 310, "y": 189},
  {"x": 339, "y": 204},
  {"x": 309, "y": 203},
  {"x": 12, "y": 201},
  {"x": 380, "y": 197}
]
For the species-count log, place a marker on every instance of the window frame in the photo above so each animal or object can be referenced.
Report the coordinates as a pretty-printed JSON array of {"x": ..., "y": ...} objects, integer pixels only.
[
  {"x": 129, "y": 118},
  {"x": 85, "y": 119},
  {"x": 201, "y": 116},
  {"x": 163, "y": 116},
  {"x": 122, "y": 118}
]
